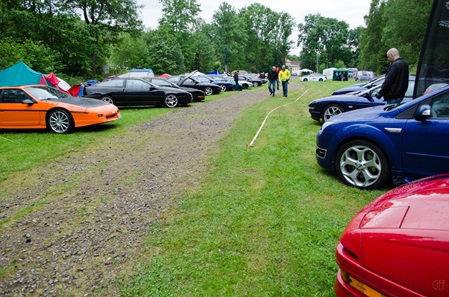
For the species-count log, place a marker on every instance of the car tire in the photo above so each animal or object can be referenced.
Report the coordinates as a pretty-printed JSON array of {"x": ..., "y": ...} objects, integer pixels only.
[
  {"x": 171, "y": 101},
  {"x": 320, "y": 79},
  {"x": 223, "y": 88},
  {"x": 362, "y": 164},
  {"x": 256, "y": 84},
  {"x": 208, "y": 91},
  {"x": 108, "y": 99},
  {"x": 245, "y": 87},
  {"x": 305, "y": 79},
  {"x": 60, "y": 121},
  {"x": 330, "y": 111}
]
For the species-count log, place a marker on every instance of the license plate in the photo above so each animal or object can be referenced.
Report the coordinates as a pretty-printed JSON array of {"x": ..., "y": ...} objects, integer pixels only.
[{"x": 359, "y": 286}]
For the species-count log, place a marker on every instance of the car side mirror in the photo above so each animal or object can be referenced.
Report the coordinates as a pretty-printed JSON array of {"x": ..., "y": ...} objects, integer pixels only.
[
  {"x": 424, "y": 112},
  {"x": 28, "y": 101}
]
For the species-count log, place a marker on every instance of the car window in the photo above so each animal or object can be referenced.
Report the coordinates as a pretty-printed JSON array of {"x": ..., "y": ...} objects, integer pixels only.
[
  {"x": 13, "y": 96},
  {"x": 44, "y": 92},
  {"x": 112, "y": 83},
  {"x": 161, "y": 82},
  {"x": 440, "y": 106},
  {"x": 137, "y": 84}
]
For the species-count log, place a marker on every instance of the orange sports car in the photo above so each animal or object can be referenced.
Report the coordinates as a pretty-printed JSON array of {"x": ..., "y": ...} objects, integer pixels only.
[{"x": 44, "y": 107}]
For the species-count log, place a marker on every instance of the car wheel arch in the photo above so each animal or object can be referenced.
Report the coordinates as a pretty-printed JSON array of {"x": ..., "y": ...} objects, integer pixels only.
[
  {"x": 72, "y": 124},
  {"x": 327, "y": 106}
]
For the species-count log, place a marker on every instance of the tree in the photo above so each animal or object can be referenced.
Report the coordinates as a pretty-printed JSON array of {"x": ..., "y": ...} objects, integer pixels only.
[
  {"x": 165, "y": 53},
  {"x": 405, "y": 24},
  {"x": 130, "y": 52},
  {"x": 180, "y": 15},
  {"x": 227, "y": 35},
  {"x": 120, "y": 14},
  {"x": 325, "y": 39}
]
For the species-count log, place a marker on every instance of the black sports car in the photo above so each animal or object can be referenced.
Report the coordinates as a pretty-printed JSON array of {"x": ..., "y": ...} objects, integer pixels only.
[
  {"x": 198, "y": 95},
  {"x": 137, "y": 91},
  {"x": 223, "y": 83},
  {"x": 190, "y": 82}
]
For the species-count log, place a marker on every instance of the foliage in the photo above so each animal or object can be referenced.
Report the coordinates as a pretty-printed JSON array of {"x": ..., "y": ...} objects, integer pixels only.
[
  {"x": 400, "y": 24},
  {"x": 165, "y": 53},
  {"x": 78, "y": 37},
  {"x": 180, "y": 15},
  {"x": 226, "y": 33},
  {"x": 328, "y": 40},
  {"x": 34, "y": 54},
  {"x": 130, "y": 52}
]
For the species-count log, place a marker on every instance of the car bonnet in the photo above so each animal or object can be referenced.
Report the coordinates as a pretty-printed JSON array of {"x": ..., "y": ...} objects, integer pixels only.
[{"x": 79, "y": 101}]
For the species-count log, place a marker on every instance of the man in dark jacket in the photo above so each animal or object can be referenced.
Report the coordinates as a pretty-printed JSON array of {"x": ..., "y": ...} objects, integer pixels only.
[
  {"x": 396, "y": 79},
  {"x": 272, "y": 76},
  {"x": 236, "y": 80}
]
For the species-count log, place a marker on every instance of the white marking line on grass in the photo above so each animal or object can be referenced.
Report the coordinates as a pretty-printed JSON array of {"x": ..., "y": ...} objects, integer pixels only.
[{"x": 265, "y": 120}]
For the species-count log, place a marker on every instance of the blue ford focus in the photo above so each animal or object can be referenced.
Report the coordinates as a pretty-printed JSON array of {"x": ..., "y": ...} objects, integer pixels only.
[{"x": 370, "y": 147}]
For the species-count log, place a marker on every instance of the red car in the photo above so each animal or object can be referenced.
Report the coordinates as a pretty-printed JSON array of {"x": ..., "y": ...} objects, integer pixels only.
[{"x": 398, "y": 245}]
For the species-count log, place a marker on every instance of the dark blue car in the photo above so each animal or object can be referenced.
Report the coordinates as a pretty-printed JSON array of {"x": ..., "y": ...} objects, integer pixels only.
[
  {"x": 324, "y": 108},
  {"x": 360, "y": 87},
  {"x": 399, "y": 143}
]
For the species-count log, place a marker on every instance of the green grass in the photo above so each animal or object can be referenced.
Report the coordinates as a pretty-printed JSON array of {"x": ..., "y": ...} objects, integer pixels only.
[{"x": 265, "y": 221}]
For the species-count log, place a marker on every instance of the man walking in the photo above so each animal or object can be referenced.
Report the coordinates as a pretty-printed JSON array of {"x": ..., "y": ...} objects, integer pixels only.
[
  {"x": 284, "y": 75},
  {"x": 396, "y": 79},
  {"x": 236, "y": 80},
  {"x": 272, "y": 79}
]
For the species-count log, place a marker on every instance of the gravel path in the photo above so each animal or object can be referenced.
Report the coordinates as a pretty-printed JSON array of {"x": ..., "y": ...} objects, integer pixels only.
[{"x": 87, "y": 214}]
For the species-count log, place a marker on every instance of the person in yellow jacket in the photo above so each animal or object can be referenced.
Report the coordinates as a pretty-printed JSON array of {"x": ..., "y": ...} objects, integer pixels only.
[{"x": 284, "y": 76}]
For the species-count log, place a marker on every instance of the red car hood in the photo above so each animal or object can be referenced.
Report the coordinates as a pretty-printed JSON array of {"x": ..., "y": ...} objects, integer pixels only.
[{"x": 403, "y": 235}]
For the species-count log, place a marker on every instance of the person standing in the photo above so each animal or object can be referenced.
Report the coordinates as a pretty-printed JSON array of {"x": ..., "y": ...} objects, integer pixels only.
[
  {"x": 272, "y": 76},
  {"x": 236, "y": 80},
  {"x": 396, "y": 79},
  {"x": 284, "y": 76},
  {"x": 277, "y": 81}
]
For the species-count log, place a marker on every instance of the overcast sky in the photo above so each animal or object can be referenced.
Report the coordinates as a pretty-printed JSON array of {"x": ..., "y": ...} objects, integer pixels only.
[{"x": 350, "y": 11}]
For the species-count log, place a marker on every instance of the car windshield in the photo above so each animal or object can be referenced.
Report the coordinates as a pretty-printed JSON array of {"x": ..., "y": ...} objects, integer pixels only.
[{"x": 46, "y": 93}]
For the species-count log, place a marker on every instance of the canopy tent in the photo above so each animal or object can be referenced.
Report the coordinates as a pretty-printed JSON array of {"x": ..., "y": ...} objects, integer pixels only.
[
  {"x": 21, "y": 74},
  {"x": 148, "y": 72},
  {"x": 340, "y": 74},
  {"x": 305, "y": 70}
]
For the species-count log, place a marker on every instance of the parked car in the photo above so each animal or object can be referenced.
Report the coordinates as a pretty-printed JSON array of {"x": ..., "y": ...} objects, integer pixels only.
[
  {"x": 137, "y": 91},
  {"x": 365, "y": 75},
  {"x": 324, "y": 108},
  {"x": 197, "y": 95},
  {"x": 257, "y": 82},
  {"x": 243, "y": 83},
  {"x": 398, "y": 245},
  {"x": 44, "y": 107},
  {"x": 191, "y": 82},
  {"x": 313, "y": 77},
  {"x": 360, "y": 87},
  {"x": 394, "y": 142},
  {"x": 224, "y": 84}
]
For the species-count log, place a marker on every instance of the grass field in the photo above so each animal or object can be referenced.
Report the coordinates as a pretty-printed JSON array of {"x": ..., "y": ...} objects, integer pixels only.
[{"x": 264, "y": 222}]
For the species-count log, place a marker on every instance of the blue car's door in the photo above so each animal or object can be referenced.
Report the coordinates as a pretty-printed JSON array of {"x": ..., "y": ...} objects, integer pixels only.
[{"x": 426, "y": 143}]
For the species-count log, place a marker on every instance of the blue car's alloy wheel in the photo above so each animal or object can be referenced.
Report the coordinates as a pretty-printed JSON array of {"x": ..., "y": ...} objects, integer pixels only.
[{"x": 361, "y": 164}]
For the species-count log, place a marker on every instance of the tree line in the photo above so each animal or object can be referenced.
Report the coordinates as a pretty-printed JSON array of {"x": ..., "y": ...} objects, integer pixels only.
[{"x": 92, "y": 38}]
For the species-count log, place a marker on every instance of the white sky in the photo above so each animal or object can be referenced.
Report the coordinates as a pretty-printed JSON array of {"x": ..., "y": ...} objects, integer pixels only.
[{"x": 350, "y": 11}]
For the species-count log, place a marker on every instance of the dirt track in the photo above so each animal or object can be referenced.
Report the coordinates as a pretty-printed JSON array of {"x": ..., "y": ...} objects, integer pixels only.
[{"x": 89, "y": 212}]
